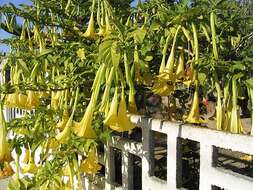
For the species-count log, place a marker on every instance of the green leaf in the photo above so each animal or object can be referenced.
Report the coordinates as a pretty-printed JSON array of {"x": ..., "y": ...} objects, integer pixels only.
[
  {"x": 139, "y": 35},
  {"x": 202, "y": 78},
  {"x": 115, "y": 53},
  {"x": 109, "y": 52},
  {"x": 148, "y": 58},
  {"x": 45, "y": 52},
  {"x": 249, "y": 83},
  {"x": 23, "y": 66}
]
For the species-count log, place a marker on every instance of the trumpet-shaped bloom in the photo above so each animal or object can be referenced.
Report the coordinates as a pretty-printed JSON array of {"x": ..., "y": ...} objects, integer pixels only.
[
  {"x": 64, "y": 136},
  {"x": 31, "y": 167},
  {"x": 22, "y": 100},
  {"x": 84, "y": 127},
  {"x": 32, "y": 100},
  {"x": 5, "y": 153},
  {"x": 194, "y": 115},
  {"x": 90, "y": 165},
  {"x": 124, "y": 122},
  {"x": 111, "y": 119},
  {"x": 90, "y": 32},
  {"x": 12, "y": 100},
  {"x": 180, "y": 73},
  {"x": 162, "y": 88},
  {"x": 27, "y": 156}
]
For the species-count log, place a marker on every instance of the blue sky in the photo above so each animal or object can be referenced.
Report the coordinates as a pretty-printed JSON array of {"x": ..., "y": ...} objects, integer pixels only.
[{"x": 4, "y": 48}]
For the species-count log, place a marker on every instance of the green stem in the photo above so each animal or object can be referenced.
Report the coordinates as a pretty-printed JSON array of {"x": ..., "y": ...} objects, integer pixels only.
[
  {"x": 196, "y": 50},
  {"x": 170, "y": 62},
  {"x": 214, "y": 43},
  {"x": 165, "y": 49},
  {"x": 234, "y": 92}
]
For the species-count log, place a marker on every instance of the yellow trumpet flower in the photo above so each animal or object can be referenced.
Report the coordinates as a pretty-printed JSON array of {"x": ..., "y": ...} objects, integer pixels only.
[
  {"x": 12, "y": 100},
  {"x": 5, "y": 153},
  {"x": 111, "y": 119},
  {"x": 124, "y": 122},
  {"x": 90, "y": 165},
  {"x": 64, "y": 136},
  {"x": 32, "y": 100},
  {"x": 31, "y": 167},
  {"x": 90, "y": 32},
  {"x": 27, "y": 156},
  {"x": 194, "y": 115},
  {"x": 162, "y": 88},
  {"x": 84, "y": 127},
  {"x": 180, "y": 73},
  {"x": 22, "y": 100}
]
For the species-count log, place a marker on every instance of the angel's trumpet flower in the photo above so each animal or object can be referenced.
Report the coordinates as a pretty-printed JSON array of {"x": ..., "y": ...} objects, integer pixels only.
[
  {"x": 162, "y": 88},
  {"x": 63, "y": 122},
  {"x": 32, "y": 100},
  {"x": 170, "y": 62},
  {"x": 64, "y": 136},
  {"x": 22, "y": 100},
  {"x": 111, "y": 119},
  {"x": 194, "y": 115},
  {"x": 124, "y": 122},
  {"x": 90, "y": 32},
  {"x": 84, "y": 127},
  {"x": 5, "y": 153},
  {"x": 180, "y": 73},
  {"x": 12, "y": 100},
  {"x": 90, "y": 165},
  {"x": 31, "y": 167},
  {"x": 27, "y": 156},
  {"x": 235, "y": 121}
]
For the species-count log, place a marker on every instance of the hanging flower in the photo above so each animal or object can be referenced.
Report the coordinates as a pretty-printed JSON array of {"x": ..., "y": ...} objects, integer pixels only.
[{"x": 90, "y": 165}]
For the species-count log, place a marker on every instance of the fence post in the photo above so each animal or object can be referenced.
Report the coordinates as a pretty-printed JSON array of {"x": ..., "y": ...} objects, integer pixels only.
[{"x": 206, "y": 161}]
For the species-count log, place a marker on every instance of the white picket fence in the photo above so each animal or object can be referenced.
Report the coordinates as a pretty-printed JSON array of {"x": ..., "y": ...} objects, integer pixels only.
[{"x": 209, "y": 141}]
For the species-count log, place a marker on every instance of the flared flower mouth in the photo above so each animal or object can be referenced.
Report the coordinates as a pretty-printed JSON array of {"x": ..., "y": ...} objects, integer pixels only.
[{"x": 90, "y": 165}]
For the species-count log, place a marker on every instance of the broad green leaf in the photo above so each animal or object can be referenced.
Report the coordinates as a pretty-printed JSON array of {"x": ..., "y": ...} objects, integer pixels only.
[
  {"x": 139, "y": 35},
  {"x": 109, "y": 52}
]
